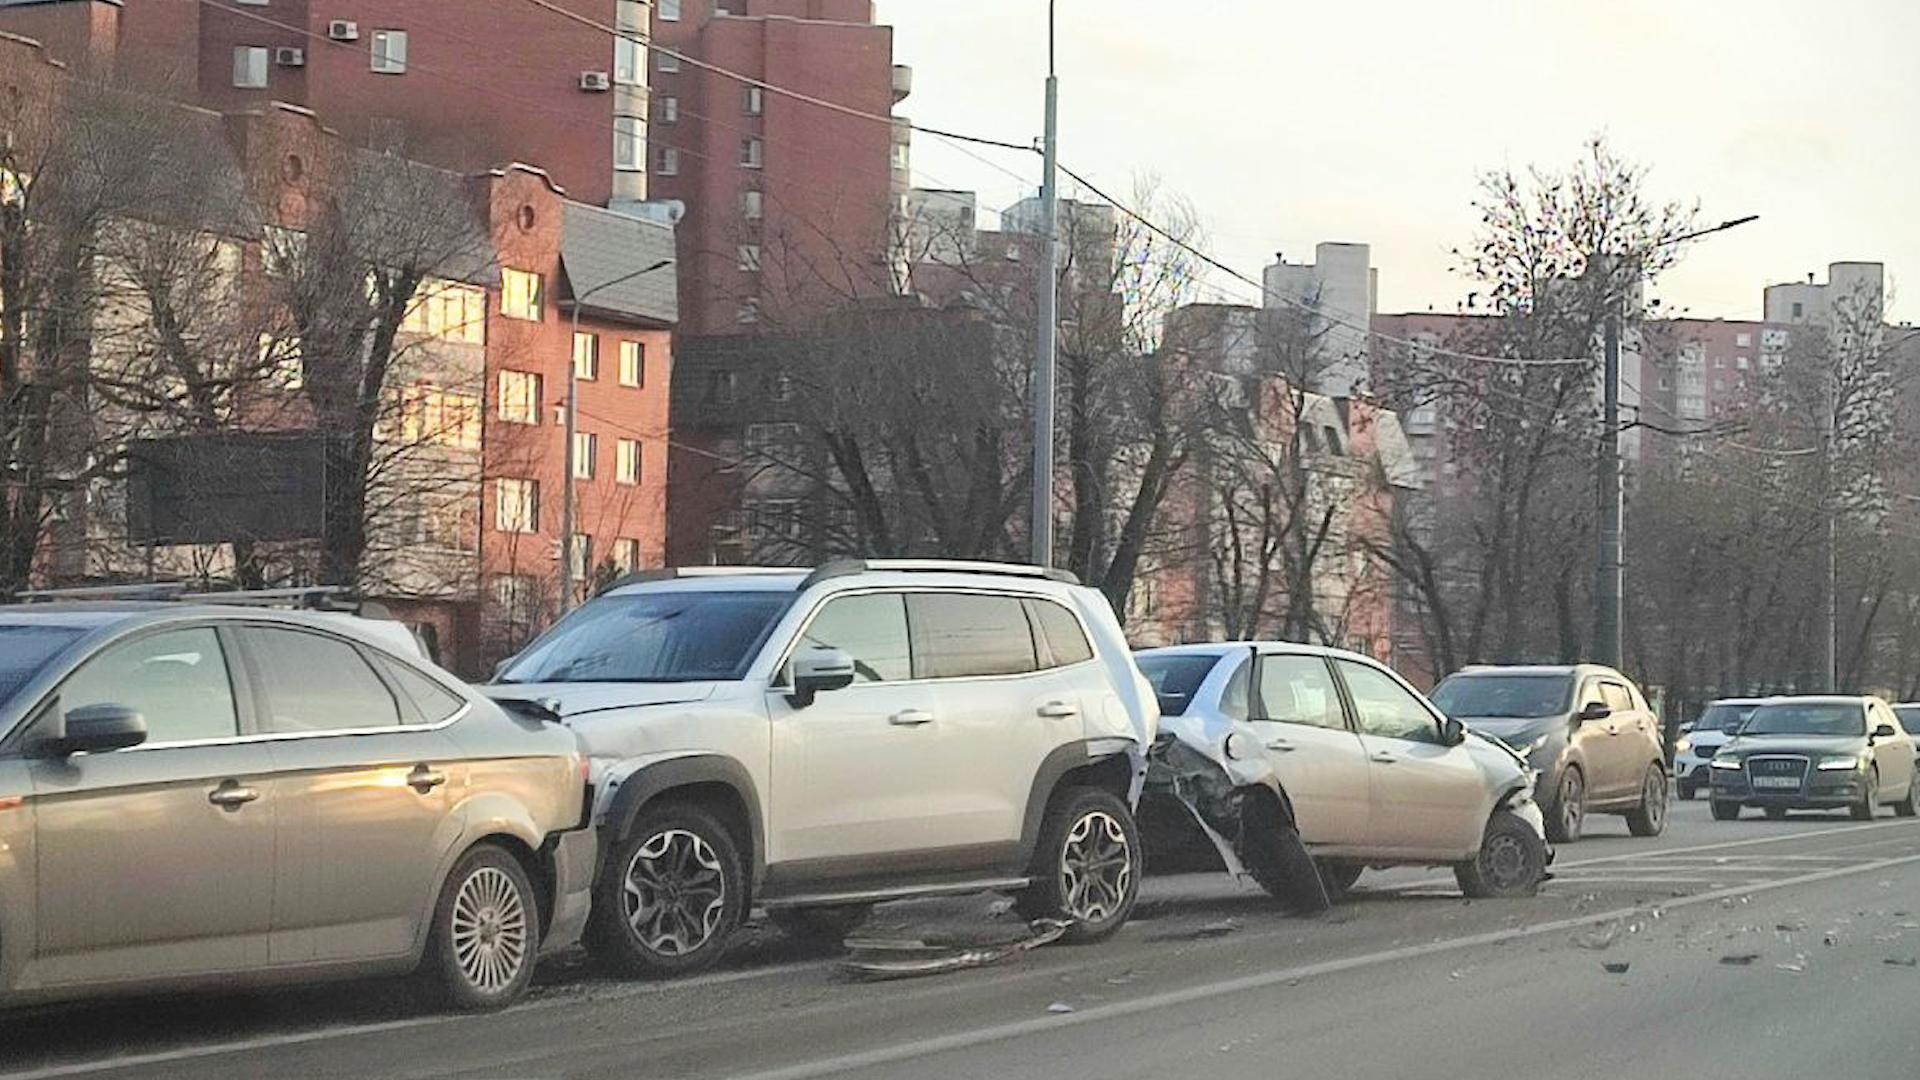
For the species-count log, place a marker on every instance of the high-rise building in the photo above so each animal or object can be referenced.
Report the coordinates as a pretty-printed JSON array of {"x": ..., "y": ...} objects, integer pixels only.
[{"x": 1342, "y": 289}]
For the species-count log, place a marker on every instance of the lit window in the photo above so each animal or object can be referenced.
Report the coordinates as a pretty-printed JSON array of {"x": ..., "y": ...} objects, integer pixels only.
[
  {"x": 281, "y": 250},
  {"x": 629, "y": 143},
  {"x": 586, "y": 446},
  {"x": 519, "y": 397},
  {"x": 520, "y": 294},
  {"x": 586, "y": 356},
  {"x": 669, "y": 10},
  {"x": 748, "y": 311},
  {"x": 669, "y": 162},
  {"x": 752, "y": 205},
  {"x": 626, "y": 554},
  {"x": 666, "y": 61},
  {"x": 280, "y": 361},
  {"x": 516, "y": 505},
  {"x": 1743, "y": 340},
  {"x": 429, "y": 414},
  {"x": 627, "y": 55},
  {"x": 756, "y": 103},
  {"x": 580, "y": 553},
  {"x": 450, "y": 311},
  {"x": 389, "y": 52},
  {"x": 669, "y": 110},
  {"x": 627, "y": 461},
  {"x": 633, "y": 363},
  {"x": 250, "y": 66},
  {"x": 752, "y": 153},
  {"x": 750, "y": 258},
  {"x": 902, "y": 155},
  {"x": 1742, "y": 363}
]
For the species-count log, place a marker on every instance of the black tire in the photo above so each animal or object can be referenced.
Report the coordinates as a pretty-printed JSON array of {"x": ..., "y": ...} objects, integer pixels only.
[
  {"x": 826, "y": 925},
  {"x": 1650, "y": 816},
  {"x": 1775, "y": 813},
  {"x": 1510, "y": 864},
  {"x": 486, "y": 931},
  {"x": 1686, "y": 790},
  {"x": 1907, "y": 807},
  {"x": 688, "y": 895},
  {"x": 1087, "y": 866},
  {"x": 1869, "y": 802},
  {"x": 1725, "y": 811},
  {"x": 1568, "y": 814},
  {"x": 1337, "y": 877}
]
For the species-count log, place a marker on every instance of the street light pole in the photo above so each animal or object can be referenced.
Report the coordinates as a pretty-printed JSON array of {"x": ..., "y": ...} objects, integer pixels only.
[
  {"x": 1043, "y": 361},
  {"x": 572, "y": 424}
]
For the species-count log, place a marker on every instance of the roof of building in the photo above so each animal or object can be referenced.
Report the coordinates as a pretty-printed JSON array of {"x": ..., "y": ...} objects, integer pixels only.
[{"x": 599, "y": 247}]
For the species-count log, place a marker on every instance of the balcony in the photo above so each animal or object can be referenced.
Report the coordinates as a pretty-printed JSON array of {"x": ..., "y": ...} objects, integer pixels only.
[{"x": 902, "y": 82}]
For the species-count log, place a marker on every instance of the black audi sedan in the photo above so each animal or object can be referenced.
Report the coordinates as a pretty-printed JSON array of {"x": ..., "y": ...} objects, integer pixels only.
[{"x": 1816, "y": 753}]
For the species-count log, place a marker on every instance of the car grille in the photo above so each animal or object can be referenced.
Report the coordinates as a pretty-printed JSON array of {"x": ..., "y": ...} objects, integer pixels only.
[{"x": 1766, "y": 773}]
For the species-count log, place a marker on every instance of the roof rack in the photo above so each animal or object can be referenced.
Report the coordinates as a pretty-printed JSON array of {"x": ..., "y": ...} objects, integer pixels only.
[
  {"x": 151, "y": 590},
  {"x": 676, "y": 573},
  {"x": 845, "y": 567},
  {"x": 310, "y": 597}
]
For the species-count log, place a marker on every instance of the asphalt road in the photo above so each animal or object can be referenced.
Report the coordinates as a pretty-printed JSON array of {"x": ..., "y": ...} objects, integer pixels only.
[{"x": 1753, "y": 949}]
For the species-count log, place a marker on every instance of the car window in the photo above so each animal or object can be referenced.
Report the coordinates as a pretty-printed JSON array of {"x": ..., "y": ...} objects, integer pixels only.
[
  {"x": 431, "y": 702},
  {"x": 1298, "y": 690},
  {"x": 870, "y": 628},
  {"x": 317, "y": 683},
  {"x": 1616, "y": 697},
  {"x": 176, "y": 679},
  {"x": 1234, "y": 696},
  {"x": 1176, "y": 678},
  {"x": 961, "y": 634},
  {"x": 1385, "y": 708},
  {"x": 25, "y": 649},
  {"x": 1061, "y": 632},
  {"x": 1908, "y": 716}
]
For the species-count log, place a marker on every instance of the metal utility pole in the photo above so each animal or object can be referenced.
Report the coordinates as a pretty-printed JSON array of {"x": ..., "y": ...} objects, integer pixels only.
[
  {"x": 1043, "y": 374},
  {"x": 1829, "y": 577},
  {"x": 572, "y": 424}
]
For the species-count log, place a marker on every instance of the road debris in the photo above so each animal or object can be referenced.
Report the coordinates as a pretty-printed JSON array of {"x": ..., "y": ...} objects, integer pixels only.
[
  {"x": 880, "y": 958},
  {"x": 1601, "y": 937},
  {"x": 1795, "y": 966},
  {"x": 1616, "y": 967},
  {"x": 1739, "y": 959},
  {"x": 1197, "y": 933},
  {"x": 1902, "y": 961},
  {"x": 1059, "y": 1007}
]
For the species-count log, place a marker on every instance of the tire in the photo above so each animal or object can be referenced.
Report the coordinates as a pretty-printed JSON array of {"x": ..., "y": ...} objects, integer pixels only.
[
  {"x": 1776, "y": 813},
  {"x": 1725, "y": 811},
  {"x": 1869, "y": 802},
  {"x": 486, "y": 931},
  {"x": 1686, "y": 790},
  {"x": 670, "y": 895},
  {"x": 1569, "y": 806},
  {"x": 1650, "y": 817},
  {"x": 1337, "y": 877},
  {"x": 827, "y": 925},
  {"x": 1510, "y": 863},
  {"x": 1907, "y": 807},
  {"x": 1087, "y": 866}
]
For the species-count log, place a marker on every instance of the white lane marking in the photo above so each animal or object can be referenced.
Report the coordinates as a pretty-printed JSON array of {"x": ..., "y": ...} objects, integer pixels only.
[
  {"x": 298, "y": 1038},
  {"x": 1649, "y": 879},
  {"x": 920, "y": 1048}
]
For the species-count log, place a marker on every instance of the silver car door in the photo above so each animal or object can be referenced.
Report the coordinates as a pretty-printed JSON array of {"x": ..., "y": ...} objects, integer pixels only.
[
  {"x": 1296, "y": 709},
  {"x": 1429, "y": 799}
]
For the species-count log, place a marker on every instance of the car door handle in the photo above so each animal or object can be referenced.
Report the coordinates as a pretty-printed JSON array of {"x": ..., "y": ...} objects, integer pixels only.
[
  {"x": 232, "y": 795},
  {"x": 910, "y": 718},
  {"x": 1384, "y": 758},
  {"x": 1281, "y": 745},
  {"x": 423, "y": 779},
  {"x": 1059, "y": 710}
]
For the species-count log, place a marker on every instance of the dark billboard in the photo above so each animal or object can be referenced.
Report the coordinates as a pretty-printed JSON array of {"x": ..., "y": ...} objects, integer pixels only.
[{"x": 211, "y": 489}]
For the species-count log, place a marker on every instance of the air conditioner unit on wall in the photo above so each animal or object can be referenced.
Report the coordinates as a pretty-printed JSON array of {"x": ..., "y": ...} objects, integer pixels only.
[
  {"x": 289, "y": 56},
  {"x": 595, "y": 80},
  {"x": 343, "y": 30}
]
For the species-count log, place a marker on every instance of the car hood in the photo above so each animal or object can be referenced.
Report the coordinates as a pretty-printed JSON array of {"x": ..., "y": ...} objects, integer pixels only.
[
  {"x": 1746, "y": 745},
  {"x": 1513, "y": 729},
  {"x": 567, "y": 700}
]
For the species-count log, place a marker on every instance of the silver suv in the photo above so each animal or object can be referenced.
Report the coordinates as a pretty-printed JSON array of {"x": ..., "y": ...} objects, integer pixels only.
[
  {"x": 212, "y": 795},
  {"x": 817, "y": 742}
]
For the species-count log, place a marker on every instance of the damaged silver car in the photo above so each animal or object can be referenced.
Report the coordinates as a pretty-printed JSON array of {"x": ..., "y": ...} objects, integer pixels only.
[{"x": 1300, "y": 767}]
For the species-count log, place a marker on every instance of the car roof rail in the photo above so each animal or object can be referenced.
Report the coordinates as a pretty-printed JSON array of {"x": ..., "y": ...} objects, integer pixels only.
[
  {"x": 847, "y": 567},
  {"x": 338, "y": 598},
  {"x": 148, "y": 590},
  {"x": 678, "y": 573}
]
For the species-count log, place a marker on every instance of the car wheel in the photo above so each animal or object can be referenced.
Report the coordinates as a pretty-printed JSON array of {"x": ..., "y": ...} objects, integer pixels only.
[
  {"x": 1869, "y": 803},
  {"x": 1337, "y": 876},
  {"x": 486, "y": 931},
  {"x": 1648, "y": 818},
  {"x": 670, "y": 895},
  {"x": 1687, "y": 791},
  {"x": 825, "y": 925},
  {"x": 1087, "y": 866},
  {"x": 1569, "y": 807},
  {"x": 1510, "y": 863},
  {"x": 1775, "y": 813},
  {"x": 1906, "y": 807},
  {"x": 1725, "y": 811}
]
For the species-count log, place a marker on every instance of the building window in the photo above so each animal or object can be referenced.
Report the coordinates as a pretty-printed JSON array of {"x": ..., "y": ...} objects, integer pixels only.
[
  {"x": 1742, "y": 363},
  {"x": 669, "y": 110},
  {"x": 752, "y": 205},
  {"x": 750, "y": 258},
  {"x": 902, "y": 156},
  {"x": 519, "y": 397},
  {"x": 431, "y": 415},
  {"x": 516, "y": 505},
  {"x": 586, "y": 447},
  {"x": 775, "y": 442},
  {"x": 580, "y": 553},
  {"x": 250, "y": 66},
  {"x": 756, "y": 103},
  {"x": 520, "y": 294},
  {"x": 780, "y": 388},
  {"x": 1799, "y": 309},
  {"x": 669, "y": 162},
  {"x": 629, "y": 143},
  {"x": 626, "y": 554},
  {"x": 586, "y": 356},
  {"x": 627, "y": 461},
  {"x": 389, "y": 52},
  {"x": 281, "y": 250},
  {"x": 669, "y": 10},
  {"x": 748, "y": 311},
  {"x": 753, "y": 153},
  {"x": 627, "y": 55},
  {"x": 450, "y": 311},
  {"x": 633, "y": 363},
  {"x": 1743, "y": 340},
  {"x": 1720, "y": 361},
  {"x": 723, "y": 389},
  {"x": 666, "y": 61}
]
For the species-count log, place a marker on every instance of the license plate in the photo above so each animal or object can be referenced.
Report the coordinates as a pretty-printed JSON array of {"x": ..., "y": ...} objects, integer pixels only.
[{"x": 1776, "y": 781}]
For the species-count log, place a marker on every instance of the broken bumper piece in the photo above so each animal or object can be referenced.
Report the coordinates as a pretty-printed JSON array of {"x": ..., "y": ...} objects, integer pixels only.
[{"x": 878, "y": 959}]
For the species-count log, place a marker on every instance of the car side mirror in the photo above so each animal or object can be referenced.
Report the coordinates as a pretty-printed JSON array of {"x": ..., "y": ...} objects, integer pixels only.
[
  {"x": 1452, "y": 732},
  {"x": 1595, "y": 710},
  {"x": 1884, "y": 731},
  {"x": 96, "y": 729},
  {"x": 816, "y": 671}
]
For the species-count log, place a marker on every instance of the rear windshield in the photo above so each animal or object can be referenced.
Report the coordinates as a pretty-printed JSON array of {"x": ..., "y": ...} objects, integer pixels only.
[
  {"x": 1804, "y": 718},
  {"x": 1726, "y": 718},
  {"x": 1491, "y": 696},
  {"x": 653, "y": 637},
  {"x": 25, "y": 649},
  {"x": 1175, "y": 678}
]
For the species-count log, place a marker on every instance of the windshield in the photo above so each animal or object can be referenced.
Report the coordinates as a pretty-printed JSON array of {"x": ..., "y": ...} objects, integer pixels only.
[
  {"x": 1908, "y": 715},
  {"x": 1519, "y": 697},
  {"x": 653, "y": 637},
  {"x": 1175, "y": 679},
  {"x": 1804, "y": 718},
  {"x": 24, "y": 650},
  {"x": 1724, "y": 718}
]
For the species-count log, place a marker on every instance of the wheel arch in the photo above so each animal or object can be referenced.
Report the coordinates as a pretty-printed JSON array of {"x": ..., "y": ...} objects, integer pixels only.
[
  {"x": 717, "y": 784},
  {"x": 1090, "y": 763}
]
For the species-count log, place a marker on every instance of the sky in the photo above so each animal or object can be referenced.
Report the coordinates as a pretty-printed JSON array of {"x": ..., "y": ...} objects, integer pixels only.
[{"x": 1287, "y": 123}]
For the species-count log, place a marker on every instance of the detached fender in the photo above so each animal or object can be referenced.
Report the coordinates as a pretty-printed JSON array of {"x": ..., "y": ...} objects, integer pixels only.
[{"x": 626, "y": 786}]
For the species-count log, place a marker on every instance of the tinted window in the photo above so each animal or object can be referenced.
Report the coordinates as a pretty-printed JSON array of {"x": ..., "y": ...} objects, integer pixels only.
[
  {"x": 654, "y": 637},
  {"x": 24, "y": 650},
  {"x": 1727, "y": 718},
  {"x": 1616, "y": 697},
  {"x": 316, "y": 683},
  {"x": 1520, "y": 697},
  {"x": 1061, "y": 632},
  {"x": 871, "y": 629},
  {"x": 177, "y": 679},
  {"x": 961, "y": 634},
  {"x": 1298, "y": 690},
  {"x": 431, "y": 702},
  {"x": 1807, "y": 718},
  {"x": 1175, "y": 678},
  {"x": 1384, "y": 707},
  {"x": 1909, "y": 717}
]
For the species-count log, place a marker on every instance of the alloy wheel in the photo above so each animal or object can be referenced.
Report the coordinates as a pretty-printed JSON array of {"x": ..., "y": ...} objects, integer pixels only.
[
  {"x": 1573, "y": 803},
  {"x": 1096, "y": 868},
  {"x": 1653, "y": 796},
  {"x": 489, "y": 930},
  {"x": 675, "y": 892}
]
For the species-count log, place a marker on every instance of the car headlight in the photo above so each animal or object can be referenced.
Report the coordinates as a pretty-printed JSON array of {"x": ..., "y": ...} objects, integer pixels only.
[
  {"x": 1726, "y": 763},
  {"x": 1837, "y": 763},
  {"x": 1683, "y": 746}
]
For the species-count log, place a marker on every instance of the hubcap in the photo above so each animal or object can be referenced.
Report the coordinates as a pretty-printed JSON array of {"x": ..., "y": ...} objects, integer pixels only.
[
  {"x": 489, "y": 929},
  {"x": 1505, "y": 861},
  {"x": 675, "y": 892},
  {"x": 1096, "y": 868},
  {"x": 1572, "y": 805}
]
